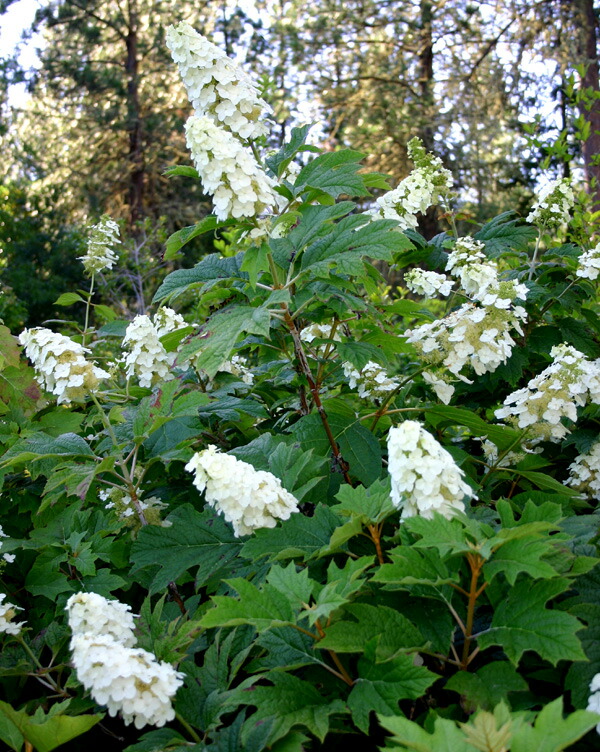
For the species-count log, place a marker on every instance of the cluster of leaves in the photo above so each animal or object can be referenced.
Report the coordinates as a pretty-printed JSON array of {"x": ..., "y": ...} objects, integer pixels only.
[{"x": 475, "y": 633}]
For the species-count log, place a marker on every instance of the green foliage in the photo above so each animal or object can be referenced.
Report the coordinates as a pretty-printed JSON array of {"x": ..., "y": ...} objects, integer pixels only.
[{"x": 344, "y": 613}]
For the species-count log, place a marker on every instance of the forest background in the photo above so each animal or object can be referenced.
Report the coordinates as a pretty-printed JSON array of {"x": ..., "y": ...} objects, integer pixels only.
[{"x": 503, "y": 91}]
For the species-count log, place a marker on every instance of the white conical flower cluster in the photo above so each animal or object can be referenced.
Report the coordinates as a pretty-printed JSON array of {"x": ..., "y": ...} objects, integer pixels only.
[
  {"x": 417, "y": 192},
  {"x": 126, "y": 679},
  {"x": 589, "y": 263},
  {"x": 148, "y": 360},
  {"x": 479, "y": 278},
  {"x": 554, "y": 205},
  {"x": 569, "y": 382},
  {"x": 250, "y": 499},
  {"x": 428, "y": 283},
  {"x": 473, "y": 336},
  {"x": 216, "y": 86},
  {"x": 227, "y": 108},
  {"x": 372, "y": 380},
  {"x": 60, "y": 365},
  {"x": 229, "y": 172},
  {"x": 468, "y": 263},
  {"x": 7, "y": 614},
  {"x": 584, "y": 473},
  {"x": 425, "y": 478},
  {"x": 100, "y": 254}
]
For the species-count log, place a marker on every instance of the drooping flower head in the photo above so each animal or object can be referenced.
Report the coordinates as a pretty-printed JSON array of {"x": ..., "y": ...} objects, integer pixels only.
[
  {"x": 248, "y": 498},
  {"x": 148, "y": 359},
  {"x": 8, "y": 612},
  {"x": 229, "y": 172},
  {"x": 100, "y": 252},
  {"x": 425, "y": 478},
  {"x": 554, "y": 204},
  {"x": 570, "y": 381},
  {"x": 60, "y": 365},
  {"x": 127, "y": 680},
  {"x": 216, "y": 86}
]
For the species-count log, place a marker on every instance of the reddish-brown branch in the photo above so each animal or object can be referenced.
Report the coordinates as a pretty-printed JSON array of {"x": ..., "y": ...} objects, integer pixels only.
[
  {"x": 314, "y": 390},
  {"x": 476, "y": 563},
  {"x": 375, "y": 531}
]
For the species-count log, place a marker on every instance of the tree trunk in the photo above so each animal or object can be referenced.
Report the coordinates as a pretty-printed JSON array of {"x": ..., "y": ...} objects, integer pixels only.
[
  {"x": 134, "y": 123},
  {"x": 428, "y": 223},
  {"x": 590, "y": 103}
]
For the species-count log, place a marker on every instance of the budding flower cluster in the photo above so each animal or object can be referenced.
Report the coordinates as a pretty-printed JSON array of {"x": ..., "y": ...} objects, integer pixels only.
[
  {"x": 126, "y": 679},
  {"x": 100, "y": 254},
  {"x": 129, "y": 513},
  {"x": 7, "y": 614},
  {"x": 229, "y": 172},
  {"x": 8, "y": 558},
  {"x": 417, "y": 192},
  {"x": 469, "y": 336},
  {"x": 589, "y": 263},
  {"x": 238, "y": 366},
  {"x": 250, "y": 499},
  {"x": 318, "y": 331},
  {"x": 60, "y": 365},
  {"x": 425, "y": 478},
  {"x": 428, "y": 283},
  {"x": 372, "y": 380},
  {"x": 216, "y": 86},
  {"x": 570, "y": 381},
  {"x": 148, "y": 359},
  {"x": 554, "y": 205},
  {"x": 584, "y": 473}
]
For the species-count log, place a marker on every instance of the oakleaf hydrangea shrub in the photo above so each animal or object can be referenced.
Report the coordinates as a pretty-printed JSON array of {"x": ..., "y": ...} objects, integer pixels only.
[{"x": 292, "y": 506}]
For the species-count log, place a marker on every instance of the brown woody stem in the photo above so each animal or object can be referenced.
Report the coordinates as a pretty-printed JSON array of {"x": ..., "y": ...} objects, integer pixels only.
[
  {"x": 314, "y": 390},
  {"x": 375, "y": 531},
  {"x": 476, "y": 563}
]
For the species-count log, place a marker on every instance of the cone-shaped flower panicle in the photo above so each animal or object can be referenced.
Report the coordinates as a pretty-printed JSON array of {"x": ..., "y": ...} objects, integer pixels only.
[
  {"x": 100, "y": 251},
  {"x": 248, "y": 498},
  {"x": 216, "y": 86},
  {"x": 425, "y": 478},
  {"x": 60, "y": 365},
  {"x": 416, "y": 193},
  {"x": 147, "y": 358},
  {"x": 554, "y": 204}
]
